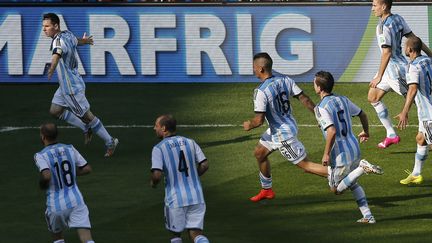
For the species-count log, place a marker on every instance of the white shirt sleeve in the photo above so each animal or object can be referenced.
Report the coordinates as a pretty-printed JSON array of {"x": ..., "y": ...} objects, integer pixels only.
[
  {"x": 79, "y": 159},
  {"x": 385, "y": 39},
  {"x": 157, "y": 159},
  {"x": 406, "y": 28},
  {"x": 353, "y": 108},
  {"x": 260, "y": 101},
  {"x": 41, "y": 162},
  {"x": 413, "y": 75},
  {"x": 199, "y": 155},
  {"x": 323, "y": 117},
  {"x": 58, "y": 47},
  {"x": 295, "y": 90}
]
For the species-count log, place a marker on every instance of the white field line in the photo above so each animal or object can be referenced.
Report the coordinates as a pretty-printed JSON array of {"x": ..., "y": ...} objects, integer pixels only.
[{"x": 14, "y": 128}]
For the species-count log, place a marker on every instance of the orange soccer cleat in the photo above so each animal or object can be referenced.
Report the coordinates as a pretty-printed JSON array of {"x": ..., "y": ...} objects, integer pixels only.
[{"x": 263, "y": 194}]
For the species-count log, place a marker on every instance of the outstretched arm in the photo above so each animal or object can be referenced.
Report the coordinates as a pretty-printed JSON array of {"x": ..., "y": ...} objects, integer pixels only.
[
  {"x": 85, "y": 40},
  {"x": 306, "y": 102}
]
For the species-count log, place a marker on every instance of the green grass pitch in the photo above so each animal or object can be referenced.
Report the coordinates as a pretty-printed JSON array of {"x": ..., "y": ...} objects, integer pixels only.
[{"x": 123, "y": 207}]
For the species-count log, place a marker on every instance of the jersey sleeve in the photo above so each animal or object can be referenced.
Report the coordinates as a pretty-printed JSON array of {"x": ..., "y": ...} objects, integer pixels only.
[
  {"x": 406, "y": 29},
  {"x": 413, "y": 75},
  {"x": 157, "y": 159},
  {"x": 79, "y": 159},
  {"x": 199, "y": 155},
  {"x": 58, "y": 47},
  {"x": 260, "y": 101},
  {"x": 385, "y": 39},
  {"x": 41, "y": 162},
  {"x": 323, "y": 117},
  {"x": 295, "y": 90},
  {"x": 353, "y": 108}
]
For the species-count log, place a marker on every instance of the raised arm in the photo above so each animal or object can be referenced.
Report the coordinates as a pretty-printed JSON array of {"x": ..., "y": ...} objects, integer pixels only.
[{"x": 85, "y": 40}]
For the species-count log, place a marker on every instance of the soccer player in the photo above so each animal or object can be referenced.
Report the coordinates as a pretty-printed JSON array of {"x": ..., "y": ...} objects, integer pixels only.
[
  {"x": 391, "y": 72},
  {"x": 271, "y": 102},
  {"x": 419, "y": 89},
  {"x": 182, "y": 162},
  {"x": 69, "y": 102},
  {"x": 342, "y": 151},
  {"x": 59, "y": 164}
]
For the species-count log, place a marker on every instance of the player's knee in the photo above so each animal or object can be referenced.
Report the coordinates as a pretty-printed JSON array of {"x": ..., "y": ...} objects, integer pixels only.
[
  {"x": 259, "y": 155},
  {"x": 420, "y": 138},
  {"x": 55, "y": 113}
]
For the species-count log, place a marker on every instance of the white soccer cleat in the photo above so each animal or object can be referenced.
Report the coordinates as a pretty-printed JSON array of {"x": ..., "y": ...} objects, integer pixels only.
[
  {"x": 370, "y": 168},
  {"x": 111, "y": 148},
  {"x": 369, "y": 220}
]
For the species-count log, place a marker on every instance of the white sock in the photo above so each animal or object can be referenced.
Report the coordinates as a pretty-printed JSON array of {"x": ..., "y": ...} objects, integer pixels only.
[
  {"x": 72, "y": 119},
  {"x": 90, "y": 241},
  {"x": 266, "y": 183},
  {"x": 350, "y": 179},
  {"x": 201, "y": 239},
  {"x": 382, "y": 113},
  {"x": 360, "y": 197},
  {"x": 420, "y": 158},
  {"x": 59, "y": 241},
  {"x": 98, "y": 128},
  {"x": 176, "y": 240}
]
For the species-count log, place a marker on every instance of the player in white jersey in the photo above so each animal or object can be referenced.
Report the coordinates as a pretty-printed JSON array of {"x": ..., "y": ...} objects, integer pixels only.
[
  {"x": 420, "y": 86},
  {"x": 342, "y": 151},
  {"x": 391, "y": 73},
  {"x": 69, "y": 102},
  {"x": 271, "y": 103},
  {"x": 59, "y": 164},
  {"x": 182, "y": 162}
]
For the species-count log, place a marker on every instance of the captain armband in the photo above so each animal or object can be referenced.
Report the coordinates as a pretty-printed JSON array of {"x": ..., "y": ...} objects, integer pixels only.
[{"x": 57, "y": 51}]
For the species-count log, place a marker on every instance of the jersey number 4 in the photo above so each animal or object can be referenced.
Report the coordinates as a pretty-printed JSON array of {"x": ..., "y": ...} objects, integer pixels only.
[
  {"x": 64, "y": 173},
  {"x": 182, "y": 166}
]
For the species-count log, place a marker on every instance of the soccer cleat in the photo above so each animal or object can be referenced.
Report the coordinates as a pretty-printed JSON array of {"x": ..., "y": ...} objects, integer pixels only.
[
  {"x": 368, "y": 220},
  {"x": 370, "y": 168},
  {"x": 411, "y": 179},
  {"x": 388, "y": 141},
  {"x": 111, "y": 148},
  {"x": 88, "y": 135},
  {"x": 263, "y": 194}
]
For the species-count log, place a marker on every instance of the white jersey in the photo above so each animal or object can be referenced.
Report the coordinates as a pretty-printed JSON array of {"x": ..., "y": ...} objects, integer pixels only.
[
  {"x": 419, "y": 72},
  {"x": 61, "y": 160},
  {"x": 389, "y": 34},
  {"x": 272, "y": 98},
  {"x": 178, "y": 157},
  {"x": 337, "y": 111},
  {"x": 64, "y": 44}
]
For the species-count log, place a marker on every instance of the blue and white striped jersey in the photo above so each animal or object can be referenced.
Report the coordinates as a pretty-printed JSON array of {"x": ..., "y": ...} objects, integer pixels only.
[
  {"x": 64, "y": 44},
  {"x": 419, "y": 72},
  {"x": 337, "y": 111},
  {"x": 272, "y": 97},
  {"x": 178, "y": 157},
  {"x": 61, "y": 160},
  {"x": 389, "y": 33}
]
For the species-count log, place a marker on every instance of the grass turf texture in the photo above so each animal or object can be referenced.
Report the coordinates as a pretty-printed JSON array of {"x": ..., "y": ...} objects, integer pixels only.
[{"x": 123, "y": 207}]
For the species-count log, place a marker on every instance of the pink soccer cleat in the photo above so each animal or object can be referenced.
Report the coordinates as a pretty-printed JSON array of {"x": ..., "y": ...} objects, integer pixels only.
[{"x": 388, "y": 141}]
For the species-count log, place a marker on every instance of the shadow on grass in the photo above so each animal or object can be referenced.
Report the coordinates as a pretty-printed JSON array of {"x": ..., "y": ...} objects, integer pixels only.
[
  {"x": 392, "y": 200},
  {"x": 230, "y": 141},
  {"x": 410, "y": 217}
]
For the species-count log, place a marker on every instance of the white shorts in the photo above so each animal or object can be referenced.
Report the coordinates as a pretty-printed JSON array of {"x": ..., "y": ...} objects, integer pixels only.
[
  {"x": 338, "y": 173},
  {"x": 189, "y": 217},
  {"x": 77, "y": 103},
  {"x": 425, "y": 127},
  {"x": 77, "y": 217},
  {"x": 397, "y": 85},
  {"x": 292, "y": 149}
]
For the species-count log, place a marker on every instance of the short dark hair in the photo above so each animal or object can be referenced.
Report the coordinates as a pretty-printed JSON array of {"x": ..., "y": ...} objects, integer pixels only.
[
  {"x": 49, "y": 131},
  {"x": 53, "y": 17},
  {"x": 325, "y": 81},
  {"x": 414, "y": 43},
  {"x": 268, "y": 64},
  {"x": 169, "y": 122},
  {"x": 389, "y": 3}
]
